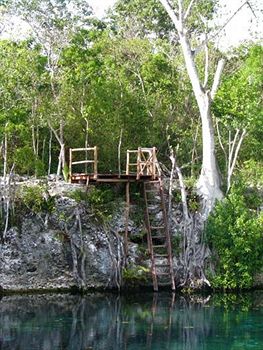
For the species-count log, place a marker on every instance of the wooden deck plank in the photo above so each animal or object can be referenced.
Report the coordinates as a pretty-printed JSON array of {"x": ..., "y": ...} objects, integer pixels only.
[{"x": 109, "y": 178}]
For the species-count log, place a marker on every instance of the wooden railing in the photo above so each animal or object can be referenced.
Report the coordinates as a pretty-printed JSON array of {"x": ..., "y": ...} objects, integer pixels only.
[
  {"x": 93, "y": 162},
  {"x": 140, "y": 162},
  {"x": 146, "y": 162}
]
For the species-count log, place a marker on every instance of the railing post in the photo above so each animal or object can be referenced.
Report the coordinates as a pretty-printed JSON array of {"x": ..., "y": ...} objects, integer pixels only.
[
  {"x": 138, "y": 163},
  {"x": 127, "y": 162},
  {"x": 95, "y": 162},
  {"x": 154, "y": 163},
  {"x": 70, "y": 164}
]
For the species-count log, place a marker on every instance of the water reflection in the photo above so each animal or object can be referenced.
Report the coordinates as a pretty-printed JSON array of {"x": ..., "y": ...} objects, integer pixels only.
[{"x": 106, "y": 321}]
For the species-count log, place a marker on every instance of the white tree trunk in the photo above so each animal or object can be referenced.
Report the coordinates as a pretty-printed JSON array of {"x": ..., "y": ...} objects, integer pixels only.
[
  {"x": 5, "y": 153},
  {"x": 49, "y": 152},
  {"x": 208, "y": 185},
  {"x": 60, "y": 139}
]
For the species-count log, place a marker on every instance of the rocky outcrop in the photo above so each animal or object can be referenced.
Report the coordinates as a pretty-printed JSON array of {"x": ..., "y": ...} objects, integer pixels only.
[
  {"x": 62, "y": 249},
  {"x": 64, "y": 244}
]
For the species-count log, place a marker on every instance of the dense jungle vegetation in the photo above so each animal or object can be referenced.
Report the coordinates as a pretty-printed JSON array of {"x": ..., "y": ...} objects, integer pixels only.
[{"x": 78, "y": 81}]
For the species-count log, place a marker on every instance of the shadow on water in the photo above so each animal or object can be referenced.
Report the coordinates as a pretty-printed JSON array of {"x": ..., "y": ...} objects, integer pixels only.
[{"x": 148, "y": 321}]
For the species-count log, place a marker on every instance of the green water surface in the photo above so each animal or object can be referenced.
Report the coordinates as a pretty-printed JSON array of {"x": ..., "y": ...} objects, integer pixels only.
[{"x": 141, "y": 321}]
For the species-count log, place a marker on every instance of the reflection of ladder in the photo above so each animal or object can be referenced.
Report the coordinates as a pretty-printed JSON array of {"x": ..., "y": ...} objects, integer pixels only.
[
  {"x": 158, "y": 236},
  {"x": 154, "y": 315}
]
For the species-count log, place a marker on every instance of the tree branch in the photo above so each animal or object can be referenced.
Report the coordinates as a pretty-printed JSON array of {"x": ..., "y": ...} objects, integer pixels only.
[
  {"x": 232, "y": 165},
  {"x": 220, "y": 142},
  {"x": 219, "y": 70},
  {"x": 54, "y": 132},
  {"x": 197, "y": 49},
  {"x": 180, "y": 12},
  {"x": 206, "y": 67},
  {"x": 189, "y": 8},
  {"x": 232, "y": 147},
  {"x": 170, "y": 13}
]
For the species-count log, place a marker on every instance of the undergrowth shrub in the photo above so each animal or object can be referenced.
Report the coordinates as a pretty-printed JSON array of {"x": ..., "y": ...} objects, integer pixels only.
[
  {"x": 101, "y": 200},
  {"x": 234, "y": 232},
  {"x": 27, "y": 163},
  {"x": 36, "y": 199},
  {"x": 134, "y": 274}
]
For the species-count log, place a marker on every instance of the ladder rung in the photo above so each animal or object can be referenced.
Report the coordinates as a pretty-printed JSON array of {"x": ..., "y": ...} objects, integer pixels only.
[
  {"x": 159, "y": 246},
  {"x": 164, "y": 284},
  {"x": 151, "y": 202},
  {"x": 161, "y": 255},
  {"x": 162, "y": 273},
  {"x": 162, "y": 265},
  {"x": 156, "y": 227},
  {"x": 132, "y": 163},
  {"x": 158, "y": 237}
]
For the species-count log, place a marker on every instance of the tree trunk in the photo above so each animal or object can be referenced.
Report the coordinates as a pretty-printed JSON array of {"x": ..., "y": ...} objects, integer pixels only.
[
  {"x": 208, "y": 185},
  {"x": 60, "y": 139},
  {"x": 49, "y": 152},
  {"x": 5, "y": 154},
  {"x": 62, "y": 144}
]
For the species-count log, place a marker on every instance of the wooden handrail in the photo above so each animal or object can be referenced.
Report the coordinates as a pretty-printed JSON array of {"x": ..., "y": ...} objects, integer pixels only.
[
  {"x": 82, "y": 149},
  {"x": 146, "y": 162},
  {"x": 83, "y": 162},
  {"x": 93, "y": 161}
]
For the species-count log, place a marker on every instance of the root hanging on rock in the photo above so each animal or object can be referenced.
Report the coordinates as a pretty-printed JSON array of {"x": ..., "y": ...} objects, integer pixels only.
[
  {"x": 117, "y": 260},
  {"x": 77, "y": 249},
  {"x": 7, "y": 195}
]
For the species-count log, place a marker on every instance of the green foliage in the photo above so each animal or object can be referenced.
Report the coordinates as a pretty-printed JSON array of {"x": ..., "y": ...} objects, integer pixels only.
[
  {"x": 176, "y": 244},
  {"x": 101, "y": 201},
  {"x": 234, "y": 233},
  {"x": 238, "y": 103},
  {"x": 39, "y": 168},
  {"x": 27, "y": 163},
  {"x": 24, "y": 159},
  {"x": 79, "y": 195},
  {"x": 135, "y": 274},
  {"x": 193, "y": 200},
  {"x": 100, "y": 196},
  {"x": 194, "y": 203},
  {"x": 252, "y": 173},
  {"x": 36, "y": 199},
  {"x": 143, "y": 18},
  {"x": 102, "y": 204}
]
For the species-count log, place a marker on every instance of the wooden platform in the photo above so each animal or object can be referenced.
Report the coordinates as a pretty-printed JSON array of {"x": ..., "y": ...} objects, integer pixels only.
[
  {"x": 141, "y": 166},
  {"x": 108, "y": 178}
]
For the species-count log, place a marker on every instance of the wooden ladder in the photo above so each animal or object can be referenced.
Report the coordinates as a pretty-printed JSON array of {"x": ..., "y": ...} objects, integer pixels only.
[{"x": 158, "y": 236}]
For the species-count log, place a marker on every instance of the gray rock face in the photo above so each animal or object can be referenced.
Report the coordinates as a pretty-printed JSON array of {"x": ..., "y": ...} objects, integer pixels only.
[
  {"x": 35, "y": 259},
  {"x": 61, "y": 250},
  {"x": 69, "y": 247}
]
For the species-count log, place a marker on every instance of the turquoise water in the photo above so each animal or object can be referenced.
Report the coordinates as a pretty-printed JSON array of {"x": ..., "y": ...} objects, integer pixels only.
[{"x": 146, "y": 321}]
